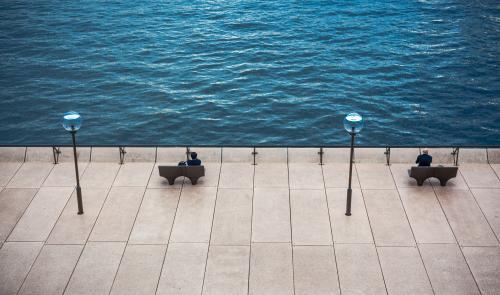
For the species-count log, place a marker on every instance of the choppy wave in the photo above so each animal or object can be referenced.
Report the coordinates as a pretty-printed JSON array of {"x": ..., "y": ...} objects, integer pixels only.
[{"x": 251, "y": 72}]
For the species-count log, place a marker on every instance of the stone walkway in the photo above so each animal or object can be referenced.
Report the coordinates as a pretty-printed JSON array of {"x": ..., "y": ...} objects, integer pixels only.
[{"x": 277, "y": 227}]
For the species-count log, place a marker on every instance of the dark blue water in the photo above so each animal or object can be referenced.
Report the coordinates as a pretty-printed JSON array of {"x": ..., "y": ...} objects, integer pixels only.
[{"x": 251, "y": 72}]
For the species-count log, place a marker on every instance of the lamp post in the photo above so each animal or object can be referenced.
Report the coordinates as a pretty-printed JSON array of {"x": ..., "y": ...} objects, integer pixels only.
[
  {"x": 72, "y": 121},
  {"x": 353, "y": 123}
]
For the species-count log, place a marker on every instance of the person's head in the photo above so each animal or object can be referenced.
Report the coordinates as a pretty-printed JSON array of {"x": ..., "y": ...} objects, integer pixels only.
[
  {"x": 425, "y": 151},
  {"x": 194, "y": 155}
]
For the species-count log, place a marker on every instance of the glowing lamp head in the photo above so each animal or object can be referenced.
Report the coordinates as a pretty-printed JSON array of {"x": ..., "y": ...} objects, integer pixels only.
[
  {"x": 72, "y": 121},
  {"x": 353, "y": 123}
]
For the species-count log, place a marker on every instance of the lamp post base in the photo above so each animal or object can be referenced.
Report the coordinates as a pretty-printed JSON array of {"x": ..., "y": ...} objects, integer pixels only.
[
  {"x": 348, "y": 206},
  {"x": 79, "y": 200}
]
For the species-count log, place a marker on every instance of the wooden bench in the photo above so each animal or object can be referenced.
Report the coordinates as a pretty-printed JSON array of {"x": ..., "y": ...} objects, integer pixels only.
[
  {"x": 191, "y": 172},
  {"x": 442, "y": 173}
]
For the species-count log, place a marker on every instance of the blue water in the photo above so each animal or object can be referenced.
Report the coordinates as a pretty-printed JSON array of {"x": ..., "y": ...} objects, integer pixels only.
[{"x": 251, "y": 72}]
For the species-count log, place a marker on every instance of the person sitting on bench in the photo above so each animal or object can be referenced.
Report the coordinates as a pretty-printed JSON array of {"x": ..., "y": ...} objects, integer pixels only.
[
  {"x": 424, "y": 159},
  {"x": 193, "y": 162}
]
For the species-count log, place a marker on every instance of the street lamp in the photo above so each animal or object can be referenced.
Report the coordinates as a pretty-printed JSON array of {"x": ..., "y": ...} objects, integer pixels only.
[
  {"x": 72, "y": 121},
  {"x": 353, "y": 123}
]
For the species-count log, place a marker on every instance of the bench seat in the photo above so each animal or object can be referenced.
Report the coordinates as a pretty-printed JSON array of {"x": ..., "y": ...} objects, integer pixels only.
[
  {"x": 191, "y": 172},
  {"x": 442, "y": 173}
]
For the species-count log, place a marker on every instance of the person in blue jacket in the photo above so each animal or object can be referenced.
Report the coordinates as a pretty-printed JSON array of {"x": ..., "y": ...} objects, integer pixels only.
[
  {"x": 193, "y": 162},
  {"x": 424, "y": 159}
]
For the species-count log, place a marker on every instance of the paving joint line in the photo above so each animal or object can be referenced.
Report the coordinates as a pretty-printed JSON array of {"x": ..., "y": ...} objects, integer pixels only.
[
  {"x": 290, "y": 216},
  {"x": 371, "y": 229},
  {"x": 211, "y": 228},
  {"x": 454, "y": 235},
  {"x": 130, "y": 232},
  {"x": 168, "y": 241},
  {"x": 331, "y": 228},
  {"x": 92, "y": 229},
  {"x": 412, "y": 232}
]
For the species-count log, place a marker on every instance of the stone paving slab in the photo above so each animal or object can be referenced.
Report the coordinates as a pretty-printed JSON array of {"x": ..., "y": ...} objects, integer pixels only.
[
  {"x": 466, "y": 219},
  {"x": 359, "y": 269},
  {"x": 271, "y": 215},
  {"x": 100, "y": 175},
  {"x": 303, "y": 155},
  {"x": 12, "y": 154},
  {"x": 236, "y": 175},
  {"x": 82, "y": 154},
  {"x": 404, "y": 155},
  {"x": 479, "y": 175},
  {"x": 305, "y": 176},
  {"x": 16, "y": 259},
  {"x": 232, "y": 223},
  {"x": 13, "y": 203},
  {"x": 315, "y": 269},
  {"x": 183, "y": 269},
  {"x": 227, "y": 270},
  {"x": 105, "y": 154},
  {"x": 30, "y": 175},
  {"x": 72, "y": 228},
  {"x": 473, "y": 156},
  {"x": 337, "y": 175},
  {"x": 493, "y": 156},
  {"x": 7, "y": 171},
  {"x": 52, "y": 269},
  {"x": 96, "y": 268},
  {"x": 370, "y": 155},
  {"x": 156, "y": 217},
  {"x": 489, "y": 202},
  {"x": 375, "y": 176},
  {"x": 271, "y": 269},
  {"x": 484, "y": 263},
  {"x": 496, "y": 168},
  {"x": 139, "y": 270},
  {"x": 404, "y": 278},
  {"x": 447, "y": 269},
  {"x": 271, "y": 155},
  {"x": 348, "y": 229},
  {"x": 238, "y": 155},
  {"x": 64, "y": 174},
  {"x": 271, "y": 175},
  {"x": 136, "y": 154},
  {"x": 387, "y": 218},
  {"x": 134, "y": 174},
  {"x": 310, "y": 220},
  {"x": 118, "y": 214},
  {"x": 193, "y": 221},
  {"x": 425, "y": 215},
  {"x": 41, "y": 215},
  {"x": 336, "y": 155}
]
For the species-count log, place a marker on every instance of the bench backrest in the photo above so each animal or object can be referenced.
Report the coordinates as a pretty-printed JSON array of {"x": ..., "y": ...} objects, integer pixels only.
[
  {"x": 189, "y": 171},
  {"x": 447, "y": 172}
]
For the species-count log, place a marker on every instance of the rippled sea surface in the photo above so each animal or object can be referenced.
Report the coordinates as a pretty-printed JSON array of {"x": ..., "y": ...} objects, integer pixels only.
[{"x": 251, "y": 72}]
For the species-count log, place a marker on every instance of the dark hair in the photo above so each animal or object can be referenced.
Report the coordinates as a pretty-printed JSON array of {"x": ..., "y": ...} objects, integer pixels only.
[{"x": 194, "y": 155}]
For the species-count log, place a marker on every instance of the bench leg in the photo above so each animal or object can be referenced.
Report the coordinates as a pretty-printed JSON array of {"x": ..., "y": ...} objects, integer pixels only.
[
  {"x": 171, "y": 180},
  {"x": 420, "y": 182},
  {"x": 443, "y": 182},
  {"x": 194, "y": 180}
]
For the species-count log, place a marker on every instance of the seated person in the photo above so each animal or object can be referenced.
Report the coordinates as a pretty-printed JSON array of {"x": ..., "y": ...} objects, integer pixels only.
[
  {"x": 194, "y": 160},
  {"x": 424, "y": 159}
]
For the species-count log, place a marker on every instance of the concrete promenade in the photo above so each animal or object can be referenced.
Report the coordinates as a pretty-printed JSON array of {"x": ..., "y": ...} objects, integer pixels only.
[{"x": 277, "y": 227}]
